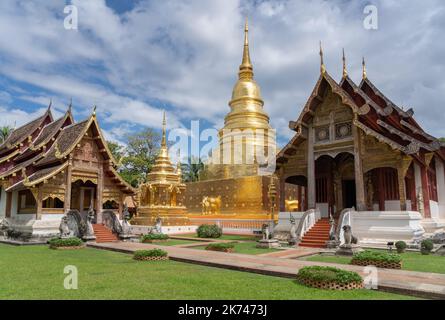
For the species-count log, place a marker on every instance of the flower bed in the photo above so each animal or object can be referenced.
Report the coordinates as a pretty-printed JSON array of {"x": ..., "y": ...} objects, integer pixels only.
[
  {"x": 154, "y": 237},
  {"x": 150, "y": 255},
  {"x": 329, "y": 278},
  {"x": 223, "y": 247},
  {"x": 66, "y": 244},
  {"x": 378, "y": 259}
]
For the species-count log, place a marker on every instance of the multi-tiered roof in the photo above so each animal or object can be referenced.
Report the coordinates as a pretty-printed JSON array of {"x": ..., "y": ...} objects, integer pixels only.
[
  {"x": 376, "y": 115},
  {"x": 40, "y": 149}
]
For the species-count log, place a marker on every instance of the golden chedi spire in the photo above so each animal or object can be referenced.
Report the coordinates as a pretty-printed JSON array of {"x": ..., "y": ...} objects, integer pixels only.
[
  {"x": 246, "y": 103},
  {"x": 163, "y": 169}
]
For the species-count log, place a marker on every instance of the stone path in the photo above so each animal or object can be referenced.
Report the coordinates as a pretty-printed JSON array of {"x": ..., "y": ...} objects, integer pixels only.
[{"x": 421, "y": 284}]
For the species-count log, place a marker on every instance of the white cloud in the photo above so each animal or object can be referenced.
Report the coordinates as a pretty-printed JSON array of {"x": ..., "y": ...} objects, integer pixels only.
[{"x": 185, "y": 55}]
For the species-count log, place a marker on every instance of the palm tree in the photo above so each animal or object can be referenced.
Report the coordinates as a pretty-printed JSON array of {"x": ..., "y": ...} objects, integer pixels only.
[
  {"x": 4, "y": 133},
  {"x": 191, "y": 170}
]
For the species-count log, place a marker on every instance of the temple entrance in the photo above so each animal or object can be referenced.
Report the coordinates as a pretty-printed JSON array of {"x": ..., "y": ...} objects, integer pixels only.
[
  {"x": 349, "y": 196},
  {"x": 335, "y": 183},
  {"x": 83, "y": 194},
  {"x": 295, "y": 194}
]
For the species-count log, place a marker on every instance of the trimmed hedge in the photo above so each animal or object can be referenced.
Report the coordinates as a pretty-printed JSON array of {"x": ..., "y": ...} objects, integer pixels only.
[
  {"x": 224, "y": 247},
  {"x": 149, "y": 253},
  {"x": 401, "y": 246},
  {"x": 328, "y": 275},
  {"x": 209, "y": 231},
  {"x": 69, "y": 242},
  {"x": 154, "y": 237},
  {"x": 426, "y": 246}
]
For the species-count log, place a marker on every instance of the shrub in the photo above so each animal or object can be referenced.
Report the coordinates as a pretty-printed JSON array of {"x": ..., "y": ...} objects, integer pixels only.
[
  {"x": 209, "y": 231},
  {"x": 328, "y": 274},
  {"x": 369, "y": 255},
  {"x": 225, "y": 247},
  {"x": 142, "y": 254},
  {"x": 426, "y": 246},
  {"x": 154, "y": 237},
  {"x": 401, "y": 246},
  {"x": 69, "y": 242}
]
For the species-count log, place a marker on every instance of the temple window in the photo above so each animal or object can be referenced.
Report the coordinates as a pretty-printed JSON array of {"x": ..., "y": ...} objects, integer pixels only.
[
  {"x": 110, "y": 204},
  {"x": 52, "y": 203}
]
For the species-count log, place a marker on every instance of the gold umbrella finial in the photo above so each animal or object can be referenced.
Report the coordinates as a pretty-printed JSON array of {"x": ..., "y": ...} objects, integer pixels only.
[
  {"x": 245, "y": 69},
  {"x": 164, "y": 124}
]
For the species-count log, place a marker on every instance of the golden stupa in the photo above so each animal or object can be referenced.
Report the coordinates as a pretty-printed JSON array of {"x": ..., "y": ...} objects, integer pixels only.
[
  {"x": 163, "y": 194},
  {"x": 232, "y": 182}
]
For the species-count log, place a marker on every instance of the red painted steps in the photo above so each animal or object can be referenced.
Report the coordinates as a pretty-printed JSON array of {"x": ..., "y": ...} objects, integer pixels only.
[
  {"x": 103, "y": 234},
  {"x": 317, "y": 236}
]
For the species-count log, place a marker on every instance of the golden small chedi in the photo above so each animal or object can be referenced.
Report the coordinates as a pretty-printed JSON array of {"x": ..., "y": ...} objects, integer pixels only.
[{"x": 163, "y": 194}]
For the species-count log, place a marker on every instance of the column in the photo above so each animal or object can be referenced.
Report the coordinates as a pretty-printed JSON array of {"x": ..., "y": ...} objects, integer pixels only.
[
  {"x": 310, "y": 169},
  {"x": 39, "y": 203},
  {"x": 402, "y": 188},
  {"x": 282, "y": 188},
  {"x": 8, "y": 204},
  {"x": 425, "y": 192},
  {"x": 440, "y": 179},
  {"x": 121, "y": 204},
  {"x": 99, "y": 192},
  {"x": 67, "y": 202},
  {"x": 359, "y": 184},
  {"x": 418, "y": 187}
]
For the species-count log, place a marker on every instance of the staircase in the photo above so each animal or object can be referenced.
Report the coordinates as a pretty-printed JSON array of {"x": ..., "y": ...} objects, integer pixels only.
[
  {"x": 103, "y": 234},
  {"x": 317, "y": 236}
]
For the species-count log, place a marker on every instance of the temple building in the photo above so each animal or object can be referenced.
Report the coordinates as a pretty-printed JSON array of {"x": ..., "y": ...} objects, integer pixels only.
[
  {"x": 353, "y": 147},
  {"x": 162, "y": 196},
  {"x": 49, "y": 167},
  {"x": 236, "y": 178}
]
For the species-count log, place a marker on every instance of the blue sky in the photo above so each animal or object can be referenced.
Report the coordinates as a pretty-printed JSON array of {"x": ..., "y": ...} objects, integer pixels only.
[{"x": 134, "y": 59}]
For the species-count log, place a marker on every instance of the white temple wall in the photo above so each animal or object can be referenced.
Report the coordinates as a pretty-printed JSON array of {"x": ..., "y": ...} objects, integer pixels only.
[
  {"x": 392, "y": 205},
  {"x": 440, "y": 179},
  {"x": 434, "y": 209},
  {"x": 14, "y": 203}
]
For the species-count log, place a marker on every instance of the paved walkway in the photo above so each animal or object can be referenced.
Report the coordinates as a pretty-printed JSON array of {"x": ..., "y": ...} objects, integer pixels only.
[{"x": 421, "y": 284}]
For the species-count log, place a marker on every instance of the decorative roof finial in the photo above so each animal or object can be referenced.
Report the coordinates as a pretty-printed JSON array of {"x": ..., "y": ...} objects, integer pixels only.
[
  {"x": 364, "y": 76},
  {"x": 94, "y": 110},
  {"x": 322, "y": 67},
  {"x": 164, "y": 138},
  {"x": 246, "y": 69},
  {"x": 50, "y": 104},
  {"x": 345, "y": 72}
]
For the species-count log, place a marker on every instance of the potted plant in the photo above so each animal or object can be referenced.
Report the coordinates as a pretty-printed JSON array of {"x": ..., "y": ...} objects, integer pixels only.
[
  {"x": 150, "y": 255},
  {"x": 377, "y": 258},
  {"x": 329, "y": 278},
  {"x": 401, "y": 246},
  {"x": 209, "y": 231},
  {"x": 426, "y": 246}
]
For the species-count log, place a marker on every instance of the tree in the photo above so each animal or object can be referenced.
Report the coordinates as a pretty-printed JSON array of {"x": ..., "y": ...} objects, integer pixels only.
[
  {"x": 4, "y": 133},
  {"x": 139, "y": 156},
  {"x": 117, "y": 150},
  {"x": 191, "y": 170}
]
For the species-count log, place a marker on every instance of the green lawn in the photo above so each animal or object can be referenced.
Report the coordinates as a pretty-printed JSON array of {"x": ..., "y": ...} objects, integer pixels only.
[
  {"x": 36, "y": 272},
  {"x": 413, "y": 261},
  {"x": 248, "y": 247}
]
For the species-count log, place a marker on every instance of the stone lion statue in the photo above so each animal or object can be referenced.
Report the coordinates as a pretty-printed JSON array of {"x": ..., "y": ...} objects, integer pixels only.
[
  {"x": 64, "y": 229},
  {"x": 211, "y": 205},
  {"x": 349, "y": 237}
]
